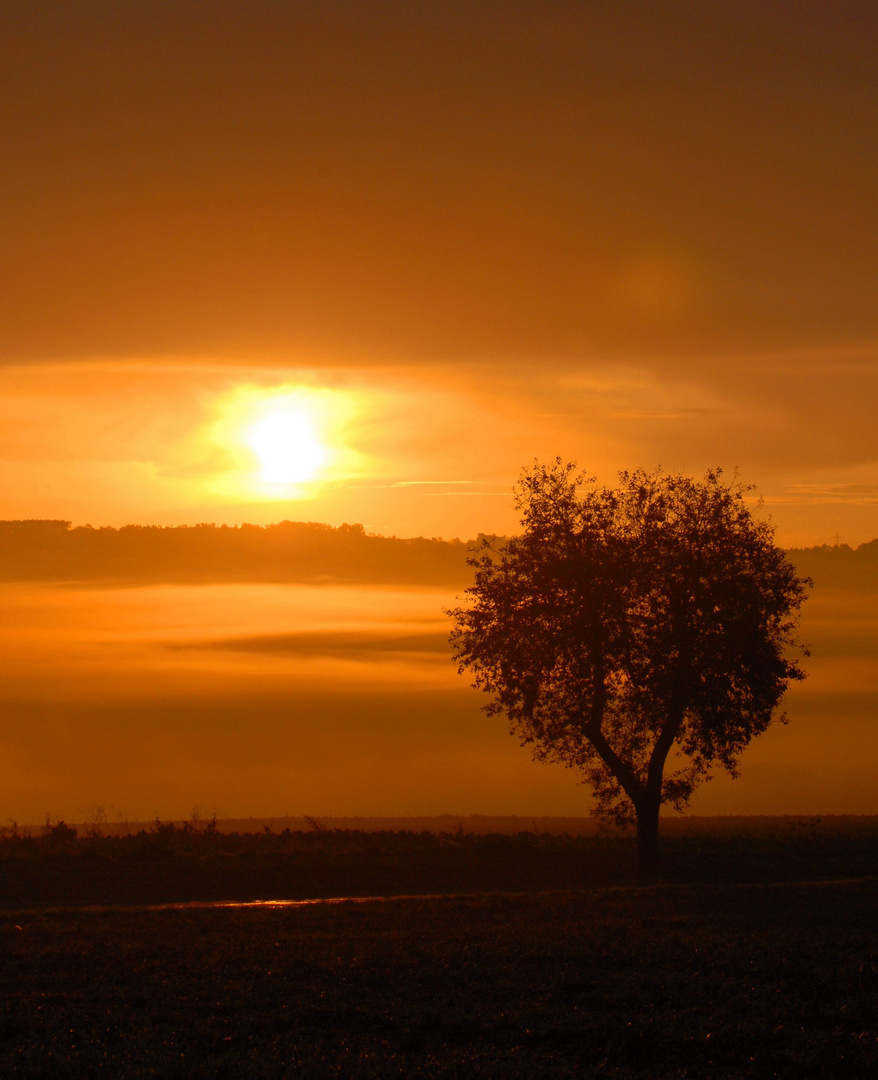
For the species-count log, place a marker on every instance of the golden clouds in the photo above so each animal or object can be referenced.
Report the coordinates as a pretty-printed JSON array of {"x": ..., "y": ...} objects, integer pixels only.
[{"x": 431, "y": 450}]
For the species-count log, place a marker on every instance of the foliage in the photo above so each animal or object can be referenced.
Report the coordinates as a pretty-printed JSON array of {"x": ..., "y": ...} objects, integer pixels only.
[{"x": 624, "y": 623}]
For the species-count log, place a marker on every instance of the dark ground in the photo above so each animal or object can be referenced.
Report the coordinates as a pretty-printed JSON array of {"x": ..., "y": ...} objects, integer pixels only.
[
  {"x": 169, "y": 863},
  {"x": 705, "y": 977},
  {"x": 687, "y": 981}
]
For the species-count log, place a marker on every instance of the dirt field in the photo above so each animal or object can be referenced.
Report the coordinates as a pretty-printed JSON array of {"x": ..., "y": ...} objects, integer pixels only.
[
  {"x": 774, "y": 980},
  {"x": 758, "y": 958}
]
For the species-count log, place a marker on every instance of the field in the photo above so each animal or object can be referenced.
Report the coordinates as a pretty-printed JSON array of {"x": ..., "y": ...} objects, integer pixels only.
[
  {"x": 171, "y": 863},
  {"x": 761, "y": 981},
  {"x": 759, "y": 977}
]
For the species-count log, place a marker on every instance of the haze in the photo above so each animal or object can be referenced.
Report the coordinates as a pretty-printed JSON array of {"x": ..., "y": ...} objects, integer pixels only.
[{"x": 437, "y": 241}]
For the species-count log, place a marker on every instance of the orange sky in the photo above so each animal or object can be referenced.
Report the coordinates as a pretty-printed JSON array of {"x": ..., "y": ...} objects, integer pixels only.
[
  {"x": 455, "y": 237},
  {"x": 629, "y": 233}
]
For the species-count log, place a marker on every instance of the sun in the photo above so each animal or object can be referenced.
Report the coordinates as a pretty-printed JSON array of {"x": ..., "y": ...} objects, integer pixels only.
[
  {"x": 284, "y": 442},
  {"x": 281, "y": 442}
]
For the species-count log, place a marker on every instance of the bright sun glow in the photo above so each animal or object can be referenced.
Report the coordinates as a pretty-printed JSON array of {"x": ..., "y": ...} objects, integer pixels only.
[
  {"x": 286, "y": 447},
  {"x": 281, "y": 442}
]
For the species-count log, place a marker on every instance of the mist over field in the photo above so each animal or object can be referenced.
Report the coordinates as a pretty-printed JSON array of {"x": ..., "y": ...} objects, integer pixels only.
[{"x": 299, "y": 669}]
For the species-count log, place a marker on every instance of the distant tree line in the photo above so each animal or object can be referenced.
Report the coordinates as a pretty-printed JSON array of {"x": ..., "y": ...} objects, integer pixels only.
[
  {"x": 290, "y": 551},
  {"x": 295, "y": 551},
  {"x": 838, "y": 565}
]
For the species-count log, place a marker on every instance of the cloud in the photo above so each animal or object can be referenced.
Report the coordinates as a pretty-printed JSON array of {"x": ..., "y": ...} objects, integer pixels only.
[
  {"x": 818, "y": 494},
  {"x": 439, "y": 447},
  {"x": 366, "y": 646}
]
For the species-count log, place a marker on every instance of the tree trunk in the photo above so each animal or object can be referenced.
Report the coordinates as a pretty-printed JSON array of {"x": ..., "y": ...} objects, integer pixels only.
[{"x": 648, "y": 840}]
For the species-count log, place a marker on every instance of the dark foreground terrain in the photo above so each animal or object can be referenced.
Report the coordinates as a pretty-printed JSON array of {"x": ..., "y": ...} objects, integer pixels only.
[
  {"x": 756, "y": 958},
  {"x": 766, "y": 980},
  {"x": 168, "y": 863}
]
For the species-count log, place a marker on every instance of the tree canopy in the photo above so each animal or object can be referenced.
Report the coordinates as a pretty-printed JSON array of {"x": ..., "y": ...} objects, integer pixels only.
[{"x": 626, "y": 623}]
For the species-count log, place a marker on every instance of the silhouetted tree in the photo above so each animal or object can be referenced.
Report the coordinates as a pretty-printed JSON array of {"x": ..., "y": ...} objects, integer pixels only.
[{"x": 626, "y": 623}]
